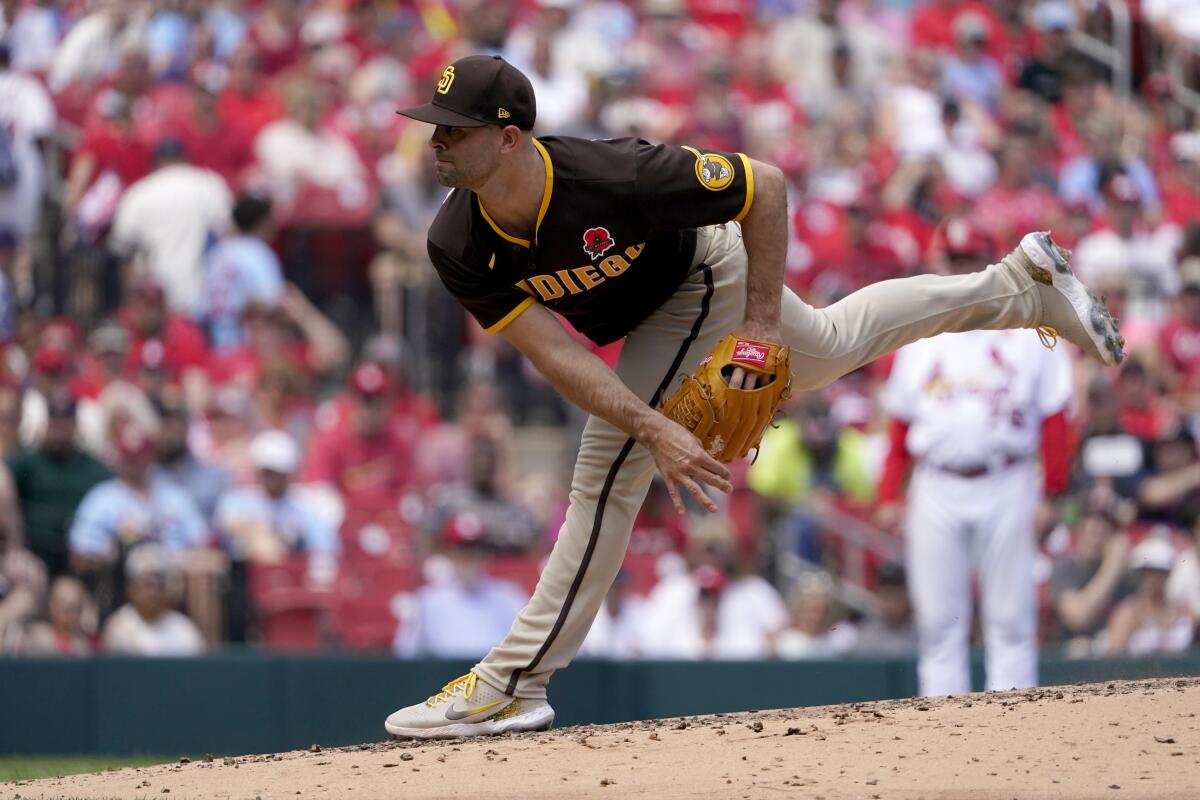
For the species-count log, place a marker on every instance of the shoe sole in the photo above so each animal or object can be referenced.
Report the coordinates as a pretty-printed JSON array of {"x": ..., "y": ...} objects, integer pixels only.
[
  {"x": 1050, "y": 266},
  {"x": 538, "y": 719}
]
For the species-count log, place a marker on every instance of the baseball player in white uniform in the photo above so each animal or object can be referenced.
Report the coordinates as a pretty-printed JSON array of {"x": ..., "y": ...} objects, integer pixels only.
[{"x": 970, "y": 411}]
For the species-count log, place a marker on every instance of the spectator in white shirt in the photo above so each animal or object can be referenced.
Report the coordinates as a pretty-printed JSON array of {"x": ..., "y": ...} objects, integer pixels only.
[
  {"x": 1183, "y": 587},
  {"x": 706, "y": 614},
  {"x": 148, "y": 624},
  {"x": 33, "y": 34},
  {"x": 1146, "y": 623},
  {"x": 1128, "y": 248},
  {"x": 166, "y": 221},
  {"x": 616, "y": 631},
  {"x": 813, "y": 633},
  {"x": 27, "y": 118}
]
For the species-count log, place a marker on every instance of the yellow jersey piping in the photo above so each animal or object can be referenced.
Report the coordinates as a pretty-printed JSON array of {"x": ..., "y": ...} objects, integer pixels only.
[
  {"x": 547, "y": 191},
  {"x": 749, "y": 188},
  {"x": 549, "y": 188},
  {"x": 510, "y": 316},
  {"x": 496, "y": 228}
]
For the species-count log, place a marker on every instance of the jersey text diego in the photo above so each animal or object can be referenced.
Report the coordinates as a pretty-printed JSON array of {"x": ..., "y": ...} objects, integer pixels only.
[{"x": 615, "y": 236}]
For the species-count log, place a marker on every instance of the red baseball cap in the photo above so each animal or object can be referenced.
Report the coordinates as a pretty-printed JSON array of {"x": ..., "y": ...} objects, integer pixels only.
[
  {"x": 50, "y": 359},
  {"x": 710, "y": 578},
  {"x": 1122, "y": 189},
  {"x": 133, "y": 442},
  {"x": 369, "y": 379},
  {"x": 463, "y": 528}
]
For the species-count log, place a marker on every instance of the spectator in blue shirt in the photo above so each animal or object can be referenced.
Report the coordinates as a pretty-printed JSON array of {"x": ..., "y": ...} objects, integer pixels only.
[
  {"x": 204, "y": 481},
  {"x": 139, "y": 504},
  {"x": 1082, "y": 178},
  {"x": 970, "y": 74},
  {"x": 272, "y": 520},
  {"x": 240, "y": 270},
  {"x": 459, "y": 613}
]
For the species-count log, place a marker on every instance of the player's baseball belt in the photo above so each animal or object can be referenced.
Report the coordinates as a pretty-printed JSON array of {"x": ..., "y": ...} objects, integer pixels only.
[{"x": 979, "y": 470}]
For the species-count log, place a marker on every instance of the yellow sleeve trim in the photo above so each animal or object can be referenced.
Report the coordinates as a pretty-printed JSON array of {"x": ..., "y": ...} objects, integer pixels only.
[
  {"x": 510, "y": 316},
  {"x": 749, "y": 188}
]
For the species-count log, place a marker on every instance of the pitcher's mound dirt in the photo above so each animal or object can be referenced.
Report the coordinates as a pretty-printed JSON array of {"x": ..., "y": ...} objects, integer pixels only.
[{"x": 1128, "y": 739}]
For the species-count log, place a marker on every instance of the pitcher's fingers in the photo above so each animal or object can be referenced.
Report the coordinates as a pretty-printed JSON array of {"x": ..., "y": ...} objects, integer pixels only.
[
  {"x": 710, "y": 464},
  {"x": 674, "y": 493},
  {"x": 716, "y": 481},
  {"x": 695, "y": 491},
  {"x": 737, "y": 378}
]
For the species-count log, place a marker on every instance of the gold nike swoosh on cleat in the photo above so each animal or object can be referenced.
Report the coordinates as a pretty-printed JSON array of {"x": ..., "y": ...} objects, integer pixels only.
[{"x": 454, "y": 713}]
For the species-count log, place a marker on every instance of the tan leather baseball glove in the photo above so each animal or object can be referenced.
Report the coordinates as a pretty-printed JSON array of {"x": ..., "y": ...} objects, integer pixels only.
[{"x": 727, "y": 421}]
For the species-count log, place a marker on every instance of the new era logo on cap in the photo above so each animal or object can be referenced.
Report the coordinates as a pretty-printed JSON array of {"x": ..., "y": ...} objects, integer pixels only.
[{"x": 476, "y": 91}]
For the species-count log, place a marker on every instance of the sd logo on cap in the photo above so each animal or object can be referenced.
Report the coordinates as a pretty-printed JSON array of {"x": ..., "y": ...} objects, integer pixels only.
[{"x": 476, "y": 91}]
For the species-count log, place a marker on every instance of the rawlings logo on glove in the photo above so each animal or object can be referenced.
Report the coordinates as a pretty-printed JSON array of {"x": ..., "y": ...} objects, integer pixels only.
[
  {"x": 730, "y": 422},
  {"x": 751, "y": 353}
]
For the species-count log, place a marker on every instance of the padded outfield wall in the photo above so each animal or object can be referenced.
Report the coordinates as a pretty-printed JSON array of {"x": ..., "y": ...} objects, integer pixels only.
[{"x": 248, "y": 702}]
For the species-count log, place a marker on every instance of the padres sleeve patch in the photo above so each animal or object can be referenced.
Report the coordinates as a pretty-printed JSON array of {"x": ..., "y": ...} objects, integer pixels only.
[{"x": 713, "y": 171}]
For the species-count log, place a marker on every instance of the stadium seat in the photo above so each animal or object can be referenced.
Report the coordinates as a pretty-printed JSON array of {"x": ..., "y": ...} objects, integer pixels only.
[
  {"x": 370, "y": 603},
  {"x": 520, "y": 568},
  {"x": 291, "y": 613}
]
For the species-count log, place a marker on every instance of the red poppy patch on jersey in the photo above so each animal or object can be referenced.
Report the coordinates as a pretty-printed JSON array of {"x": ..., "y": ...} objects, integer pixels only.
[
  {"x": 752, "y": 353},
  {"x": 597, "y": 242}
]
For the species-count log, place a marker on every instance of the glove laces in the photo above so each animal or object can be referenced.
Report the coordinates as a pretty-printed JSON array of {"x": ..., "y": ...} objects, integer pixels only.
[{"x": 1048, "y": 336}]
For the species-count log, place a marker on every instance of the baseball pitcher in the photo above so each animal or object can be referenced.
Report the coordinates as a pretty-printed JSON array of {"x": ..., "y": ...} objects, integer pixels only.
[{"x": 680, "y": 252}]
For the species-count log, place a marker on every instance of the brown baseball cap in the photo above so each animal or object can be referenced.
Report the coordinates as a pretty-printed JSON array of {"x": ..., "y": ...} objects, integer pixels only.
[{"x": 477, "y": 91}]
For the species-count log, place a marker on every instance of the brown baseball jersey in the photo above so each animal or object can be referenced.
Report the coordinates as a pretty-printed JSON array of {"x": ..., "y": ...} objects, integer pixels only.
[{"x": 615, "y": 234}]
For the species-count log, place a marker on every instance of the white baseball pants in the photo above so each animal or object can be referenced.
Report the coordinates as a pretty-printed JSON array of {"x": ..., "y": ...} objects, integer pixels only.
[{"x": 962, "y": 527}]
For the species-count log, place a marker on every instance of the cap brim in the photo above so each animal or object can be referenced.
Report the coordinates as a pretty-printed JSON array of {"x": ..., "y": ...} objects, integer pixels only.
[{"x": 436, "y": 115}]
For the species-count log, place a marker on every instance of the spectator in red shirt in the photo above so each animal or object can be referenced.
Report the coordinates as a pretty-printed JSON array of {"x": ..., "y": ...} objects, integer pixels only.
[
  {"x": 276, "y": 32},
  {"x": 212, "y": 140},
  {"x": 182, "y": 343},
  {"x": 109, "y": 158},
  {"x": 1017, "y": 203},
  {"x": 294, "y": 332},
  {"x": 657, "y": 528},
  {"x": 445, "y": 450},
  {"x": 1179, "y": 338},
  {"x": 247, "y": 103},
  {"x": 1142, "y": 411},
  {"x": 852, "y": 247},
  {"x": 409, "y": 411},
  {"x": 1181, "y": 183},
  {"x": 933, "y": 24},
  {"x": 367, "y": 460}
]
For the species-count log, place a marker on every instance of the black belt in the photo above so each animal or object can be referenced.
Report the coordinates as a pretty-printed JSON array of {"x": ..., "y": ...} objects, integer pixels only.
[{"x": 979, "y": 470}]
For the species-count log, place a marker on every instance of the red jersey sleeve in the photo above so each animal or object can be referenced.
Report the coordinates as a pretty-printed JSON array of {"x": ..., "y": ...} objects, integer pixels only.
[
  {"x": 1058, "y": 447},
  {"x": 896, "y": 465}
]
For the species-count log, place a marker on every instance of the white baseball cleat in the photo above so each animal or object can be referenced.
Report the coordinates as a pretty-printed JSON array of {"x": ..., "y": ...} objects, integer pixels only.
[
  {"x": 468, "y": 706},
  {"x": 1069, "y": 308}
]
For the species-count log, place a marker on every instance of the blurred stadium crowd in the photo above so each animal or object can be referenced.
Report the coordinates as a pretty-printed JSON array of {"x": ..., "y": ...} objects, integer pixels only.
[{"x": 236, "y": 407}]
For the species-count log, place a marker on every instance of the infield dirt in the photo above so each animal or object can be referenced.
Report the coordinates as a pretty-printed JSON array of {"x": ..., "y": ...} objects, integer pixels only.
[{"x": 1120, "y": 740}]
